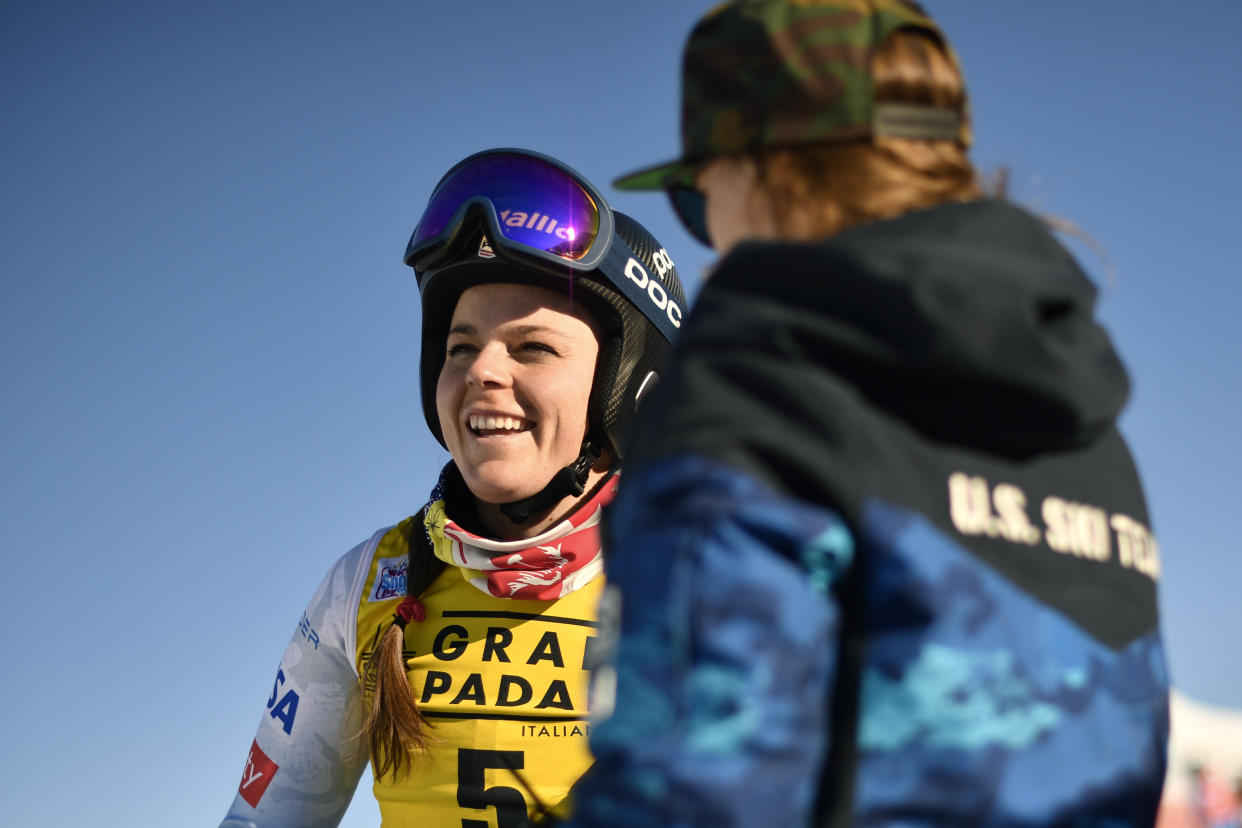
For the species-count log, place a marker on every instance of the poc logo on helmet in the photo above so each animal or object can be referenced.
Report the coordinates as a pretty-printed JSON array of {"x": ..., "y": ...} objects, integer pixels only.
[{"x": 655, "y": 291}]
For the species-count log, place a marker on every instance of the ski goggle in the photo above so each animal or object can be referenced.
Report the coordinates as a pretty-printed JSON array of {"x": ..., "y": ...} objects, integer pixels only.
[{"x": 538, "y": 212}]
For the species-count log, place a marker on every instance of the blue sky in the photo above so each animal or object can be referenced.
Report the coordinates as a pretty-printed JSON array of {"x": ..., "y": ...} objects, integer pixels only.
[{"x": 208, "y": 342}]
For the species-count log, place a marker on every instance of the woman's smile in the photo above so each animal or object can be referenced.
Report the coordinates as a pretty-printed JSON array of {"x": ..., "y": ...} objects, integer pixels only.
[{"x": 490, "y": 424}]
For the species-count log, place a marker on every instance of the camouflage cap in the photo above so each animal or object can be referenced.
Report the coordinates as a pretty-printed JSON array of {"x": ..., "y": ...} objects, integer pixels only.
[{"x": 774, "y": 73}]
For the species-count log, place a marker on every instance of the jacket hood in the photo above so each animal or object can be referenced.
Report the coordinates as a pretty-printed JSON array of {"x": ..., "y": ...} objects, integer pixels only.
[{"x": 968, "y": 321}]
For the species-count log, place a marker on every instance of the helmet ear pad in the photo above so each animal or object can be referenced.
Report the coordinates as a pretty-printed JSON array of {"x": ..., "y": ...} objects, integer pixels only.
[{"x": 630, "y": 348}]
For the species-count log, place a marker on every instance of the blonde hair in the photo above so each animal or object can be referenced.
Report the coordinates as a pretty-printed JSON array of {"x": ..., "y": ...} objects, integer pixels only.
[
  {"x": 394, "y": 729},
  {"x": 818, "y": 190}
]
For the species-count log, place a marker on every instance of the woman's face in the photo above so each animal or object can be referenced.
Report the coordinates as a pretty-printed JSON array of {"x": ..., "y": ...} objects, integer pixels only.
[{"x": 513, "y": 392}]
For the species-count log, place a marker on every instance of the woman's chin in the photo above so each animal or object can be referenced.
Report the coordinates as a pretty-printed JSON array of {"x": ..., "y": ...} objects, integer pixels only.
[{"x": 501, "y": 491}]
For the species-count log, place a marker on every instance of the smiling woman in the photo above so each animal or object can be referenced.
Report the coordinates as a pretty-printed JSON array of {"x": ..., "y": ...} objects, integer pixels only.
[
  {"x": 451, "y": 649},
  {"x": 512, "y": 397}
]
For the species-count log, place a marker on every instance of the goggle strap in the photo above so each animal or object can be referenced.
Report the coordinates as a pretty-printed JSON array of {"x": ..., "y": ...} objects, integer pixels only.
[{"x": 645, "y": 290}]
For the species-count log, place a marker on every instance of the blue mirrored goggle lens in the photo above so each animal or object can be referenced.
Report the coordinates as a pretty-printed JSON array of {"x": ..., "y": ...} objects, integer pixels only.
[{"x": 537, "y": 204}]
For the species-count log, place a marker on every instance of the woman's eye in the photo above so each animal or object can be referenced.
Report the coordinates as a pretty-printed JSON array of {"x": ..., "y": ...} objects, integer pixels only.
[
  {"x": 459, "y": 349},
  {"x": 537, "y": 347}
]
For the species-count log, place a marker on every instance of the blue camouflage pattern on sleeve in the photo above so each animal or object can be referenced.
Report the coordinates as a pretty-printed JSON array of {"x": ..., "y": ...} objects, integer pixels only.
[
  {"x": 728, "y": 640},
  {"x": 982, "y": 705}
]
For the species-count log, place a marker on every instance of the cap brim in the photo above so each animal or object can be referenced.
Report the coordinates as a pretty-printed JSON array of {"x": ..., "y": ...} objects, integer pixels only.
[{"x": 658, "y": 177}]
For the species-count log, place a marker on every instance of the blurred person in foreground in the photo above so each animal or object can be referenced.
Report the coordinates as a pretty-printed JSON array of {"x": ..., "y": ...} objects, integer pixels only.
[
  {"x": 450, "y": 649},
  {"x": 882, "y": 555}
]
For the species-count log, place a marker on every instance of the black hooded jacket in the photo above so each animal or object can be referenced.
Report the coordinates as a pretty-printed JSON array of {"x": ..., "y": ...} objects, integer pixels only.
[{"x": 919, "y": 417}]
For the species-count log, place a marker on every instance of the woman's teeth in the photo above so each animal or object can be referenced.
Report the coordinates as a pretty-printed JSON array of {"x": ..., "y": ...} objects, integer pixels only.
[{"x": 480, "y": 422}]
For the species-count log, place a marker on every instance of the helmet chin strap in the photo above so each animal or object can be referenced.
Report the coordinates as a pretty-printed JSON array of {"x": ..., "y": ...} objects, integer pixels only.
[{"x": 570, "y": 480}]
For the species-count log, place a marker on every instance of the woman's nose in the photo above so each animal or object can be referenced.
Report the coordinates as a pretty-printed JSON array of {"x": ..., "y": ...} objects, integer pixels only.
[{"x": 490, "y": 366}]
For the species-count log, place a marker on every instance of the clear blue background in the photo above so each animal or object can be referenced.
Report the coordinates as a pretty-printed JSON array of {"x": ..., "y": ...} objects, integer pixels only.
[{"x": 208, "y": 342}]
